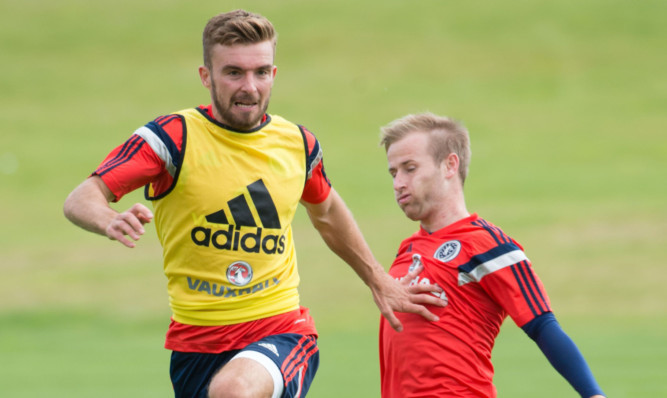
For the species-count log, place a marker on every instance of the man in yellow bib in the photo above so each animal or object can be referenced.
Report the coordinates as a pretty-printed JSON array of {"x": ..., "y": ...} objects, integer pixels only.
[{"x": 225, "y": 181}]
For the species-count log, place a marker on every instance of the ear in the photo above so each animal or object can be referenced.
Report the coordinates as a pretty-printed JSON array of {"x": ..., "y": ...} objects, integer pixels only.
[
  {"x": 273, "y": 74},
  {"x": 205, "y": 76},
  {"x": 451, "y": 165}
]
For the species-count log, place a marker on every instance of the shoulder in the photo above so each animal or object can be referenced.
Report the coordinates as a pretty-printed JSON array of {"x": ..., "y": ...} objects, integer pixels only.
[
  {"x": 487, "y": 249},
  {"x": 169, "y": 129},
  {"x": 313, "y": 147},
  {"x": 487, "y": 235},
  {"x": 280, "y": 122},
  {"x": 166, "y": 136}
]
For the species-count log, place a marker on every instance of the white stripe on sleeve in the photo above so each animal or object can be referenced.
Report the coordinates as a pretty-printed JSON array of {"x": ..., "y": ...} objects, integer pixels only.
[
  {"x": 491, "y": 266},
  {"x": 158, "y": 147}
]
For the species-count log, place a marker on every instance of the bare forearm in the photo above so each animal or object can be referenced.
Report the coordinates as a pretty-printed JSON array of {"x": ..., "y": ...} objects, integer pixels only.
[
  {"x": 341, "y": 233},
  {"x": 87, "y": 206}
]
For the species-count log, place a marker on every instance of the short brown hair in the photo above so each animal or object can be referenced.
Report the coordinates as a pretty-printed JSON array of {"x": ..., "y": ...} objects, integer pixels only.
[
  {"x": 446, "y": 136},
  {"x": 236, "y": 27}
]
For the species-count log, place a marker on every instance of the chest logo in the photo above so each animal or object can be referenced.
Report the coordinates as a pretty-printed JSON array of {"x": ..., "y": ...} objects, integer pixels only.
[
  {"x": 239, "y": 273},
  {"x": 261, "y": 198},
  {"x": 206, "y": 233},
  {"x": 448, "y": 251}
]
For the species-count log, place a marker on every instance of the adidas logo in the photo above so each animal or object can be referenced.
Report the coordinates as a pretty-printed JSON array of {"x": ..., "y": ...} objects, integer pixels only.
[
  {"x": 231, "y": 237},
  {"x": 240, "y": 210},
  {"x": 270, "y": 347}
]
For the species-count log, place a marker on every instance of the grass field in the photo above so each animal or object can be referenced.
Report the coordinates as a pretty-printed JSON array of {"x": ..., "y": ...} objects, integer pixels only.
[{"x": 566, "y": 102}]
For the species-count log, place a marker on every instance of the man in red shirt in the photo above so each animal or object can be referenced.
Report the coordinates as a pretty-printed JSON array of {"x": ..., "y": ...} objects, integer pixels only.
[{"x": 484, "y": 275}]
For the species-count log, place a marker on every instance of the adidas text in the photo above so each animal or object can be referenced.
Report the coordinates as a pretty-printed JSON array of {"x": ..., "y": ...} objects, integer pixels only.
[{"x": 230, "y": 239}]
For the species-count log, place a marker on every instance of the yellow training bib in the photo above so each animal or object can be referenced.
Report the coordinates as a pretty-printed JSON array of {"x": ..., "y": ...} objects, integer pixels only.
[{"x": 225, "y": 227}]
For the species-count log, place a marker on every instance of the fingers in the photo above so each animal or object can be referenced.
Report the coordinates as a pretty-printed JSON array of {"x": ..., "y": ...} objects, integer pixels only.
[
  {"x": 409, "y": 296},
  {"x": 129, "y": 224},
  {"x": 421, "y": 310},
  {"x": 411, "y": 308},
  {"x": 423, "y": 287},
  {"x": 417, "y": 290},
  {"x": 142, "y": 213},
  {"x": 412, "y": 274},
  {"x": 434, "y": 299},
  {"x": 412, "y": 303},
  {"x": 393, "y": 321},
  {"x": 125, "y": 225},
  {"x": 437, "y": 296}
]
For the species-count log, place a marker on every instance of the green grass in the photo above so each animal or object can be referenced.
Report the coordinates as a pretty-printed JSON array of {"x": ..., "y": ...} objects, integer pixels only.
[
  {"x": 82, "y": 354},
  {"x": 565, "y": 102}
]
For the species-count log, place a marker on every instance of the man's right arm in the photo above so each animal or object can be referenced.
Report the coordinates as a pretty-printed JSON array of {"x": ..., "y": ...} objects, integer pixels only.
[
  {"x": 150, "y": 155},
  {"x": 88, "y": 207}
]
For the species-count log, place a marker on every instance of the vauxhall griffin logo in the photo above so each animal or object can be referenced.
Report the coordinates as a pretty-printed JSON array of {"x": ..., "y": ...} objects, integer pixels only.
[
  {"x": 231, "y": 238},
  {"x": 239, "y": 273}
]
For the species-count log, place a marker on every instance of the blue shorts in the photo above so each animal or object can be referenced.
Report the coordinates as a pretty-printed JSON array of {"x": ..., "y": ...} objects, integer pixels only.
[{"x": 291, "y": 359}]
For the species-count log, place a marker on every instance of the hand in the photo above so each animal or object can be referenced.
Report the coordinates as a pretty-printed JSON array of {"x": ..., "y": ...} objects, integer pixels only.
[
  {"x": 392, "y": 295},
  {"x": 130, "y": 223}
]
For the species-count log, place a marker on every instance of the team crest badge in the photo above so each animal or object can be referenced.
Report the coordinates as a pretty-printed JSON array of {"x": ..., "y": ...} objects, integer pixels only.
[
  {"x": 448, "y": 251},
  {"x": 239, "y": 273}
]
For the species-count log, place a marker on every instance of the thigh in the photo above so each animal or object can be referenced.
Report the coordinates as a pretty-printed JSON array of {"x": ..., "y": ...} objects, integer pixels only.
[
  {"x": 291, "y": 360},
  {"x": 286, "y": 363},
  {"x": 191, "y": 372},
  {"x": 244, "y": 376}
]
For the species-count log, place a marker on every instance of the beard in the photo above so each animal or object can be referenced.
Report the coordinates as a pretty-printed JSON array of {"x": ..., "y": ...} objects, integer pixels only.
[{"x": 243, "y": 121}]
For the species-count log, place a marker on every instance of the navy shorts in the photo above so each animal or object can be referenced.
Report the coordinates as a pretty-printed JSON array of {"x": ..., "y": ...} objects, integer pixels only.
[{"x": 291, "y": 359}]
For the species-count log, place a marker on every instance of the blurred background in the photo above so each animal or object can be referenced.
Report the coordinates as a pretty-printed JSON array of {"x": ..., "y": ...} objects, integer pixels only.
[{"x": 565, "y": 102}]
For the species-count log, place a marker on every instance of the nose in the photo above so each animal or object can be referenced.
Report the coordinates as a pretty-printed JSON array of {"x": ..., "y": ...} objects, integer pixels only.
[
  {"x": 399, "y": 183},
  {"x": 249, "y": 83}
]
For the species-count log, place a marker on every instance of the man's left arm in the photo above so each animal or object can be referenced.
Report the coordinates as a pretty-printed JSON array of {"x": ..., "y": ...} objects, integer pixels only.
[
  {"x": 563, "y": 354},
  {"x": 340, "y": 232}
]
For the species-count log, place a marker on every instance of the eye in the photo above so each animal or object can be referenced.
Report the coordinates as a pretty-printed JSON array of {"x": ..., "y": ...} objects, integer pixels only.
[{"x": 264, "y": 72}]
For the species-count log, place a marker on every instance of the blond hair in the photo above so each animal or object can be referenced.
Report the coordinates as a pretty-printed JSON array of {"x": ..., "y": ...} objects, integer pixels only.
[
  {"x": 236, "y": 27},
  {"x": 446, "y": 136}
]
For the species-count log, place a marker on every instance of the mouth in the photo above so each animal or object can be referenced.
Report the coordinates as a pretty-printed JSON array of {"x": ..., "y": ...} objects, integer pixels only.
[
  {"x": 403, "y": 199},
  {"x": 246, "y": 103}
]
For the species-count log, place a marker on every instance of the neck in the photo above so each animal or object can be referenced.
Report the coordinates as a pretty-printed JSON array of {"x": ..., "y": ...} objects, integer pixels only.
[{"x": 449, "y": 213}]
